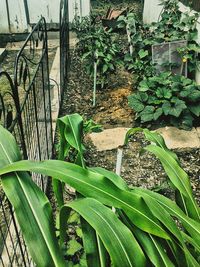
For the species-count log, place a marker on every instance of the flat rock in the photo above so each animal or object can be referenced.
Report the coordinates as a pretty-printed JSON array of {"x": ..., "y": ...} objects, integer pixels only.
[
  {"x": 2, "y": 54},
  {"x": 176, "y": 138},
  {"x": 198, "y": 131},
  {"x": 109, "y": 139}
]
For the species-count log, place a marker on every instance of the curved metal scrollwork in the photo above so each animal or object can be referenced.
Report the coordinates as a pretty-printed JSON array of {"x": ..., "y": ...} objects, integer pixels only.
[
  {"x": 25, "y": 110},
  {"x": 8, "y": 113},
  {"x": 31, "y": 80},
  {"x": 30, "y": 56}
]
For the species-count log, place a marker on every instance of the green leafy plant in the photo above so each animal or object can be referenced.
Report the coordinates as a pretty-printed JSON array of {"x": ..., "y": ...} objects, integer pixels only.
[
  {"x": 99, "y": 46},
  {"x": 82, "y": 26},
  {"x": 190, "y": 54},
  {"x": 173, "y": 25},
  {"x": 72, "y": 129},
  {"x": 172, "y": 99},
  {"x": 142, "y": 232}
]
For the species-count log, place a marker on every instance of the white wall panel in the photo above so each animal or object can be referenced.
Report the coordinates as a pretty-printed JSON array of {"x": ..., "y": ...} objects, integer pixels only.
[
  {"x": 17, "y": 17},
  {"x": 37, "y": 8}
]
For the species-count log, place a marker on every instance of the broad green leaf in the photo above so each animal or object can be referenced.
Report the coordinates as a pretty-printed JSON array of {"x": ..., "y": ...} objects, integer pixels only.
[
  {"x": 70, "y": 128},
  {"x": 158, "y": 112},
  {"x": 105, "y": 68},
  {"x": 94, "y": 185},
  {"x": 147, "y": 114},
  {"x": 178, "y": 177},
  {"x": 187, "y": 119},
  {"x": 175, "y": 108},
  {"x": 195, "y": 109},
  {"x": 163, "y": 92},
  {"x": 32, "y": 208},
  {"x": 143, "y": 86},
  {"x": 116, "y": 237},
  {"x": 155, "y": 101},
  {"x": 137, "y": 101},
  {"x": 194, "y": 96},
  {"x": 143, "y": 53}
]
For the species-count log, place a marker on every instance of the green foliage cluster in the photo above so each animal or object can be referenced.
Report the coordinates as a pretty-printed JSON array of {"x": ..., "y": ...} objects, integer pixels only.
[
  {"x": 166, "y": 98},
  {"x": 173, "y": 25},
  {"x": 98, "y": 45},
  {"x": 169, "y": 98},
  {"x": 141, "y": 232},
  {"x": 106, "y": 48},
  {"x": 102, "y": 48}
]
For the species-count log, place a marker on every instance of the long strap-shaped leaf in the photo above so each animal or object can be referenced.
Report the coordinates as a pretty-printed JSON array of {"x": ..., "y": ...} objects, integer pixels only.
[
  {"x": 178, "y": 177},
  {"x": 159, "y": 141},
  {"x": 192, "y": 227},
  {"x": 146, "y": 241},
  {"x": 71, "y": 132},
  {"x": 164, "y": 216},
  {"x": 71, "y": 128},
  {"x": 94, "y": 185},
  {"x": 32, "y": 208},
  {"x": 117, "y": 238}
]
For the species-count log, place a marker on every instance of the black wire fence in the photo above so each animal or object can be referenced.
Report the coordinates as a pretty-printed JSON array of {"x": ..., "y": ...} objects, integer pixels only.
[
  {"x": 64, "y": 45},
  {"x": 25, "y": 110}
]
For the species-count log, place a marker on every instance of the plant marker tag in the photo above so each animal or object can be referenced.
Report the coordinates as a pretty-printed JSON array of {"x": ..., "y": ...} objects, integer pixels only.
[{"x": 118, "y": 166}]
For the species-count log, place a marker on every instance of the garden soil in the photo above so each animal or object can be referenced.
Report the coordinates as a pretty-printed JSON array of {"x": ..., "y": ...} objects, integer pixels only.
[{"x": 112, "y": 111}]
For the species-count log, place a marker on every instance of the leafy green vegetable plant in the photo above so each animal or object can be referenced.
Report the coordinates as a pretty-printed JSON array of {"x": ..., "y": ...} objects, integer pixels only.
[
  {"x": 99, "y": 46},
  {"x": 173, "y": 25},
  {"x": 190, "y": 54},
  {"x": 172, "y": 99},
  {"x": 142, "y": 232}
]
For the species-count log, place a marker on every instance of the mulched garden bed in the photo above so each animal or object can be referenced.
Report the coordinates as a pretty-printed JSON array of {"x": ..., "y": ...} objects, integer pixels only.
[{"x": 112, "y": 111}]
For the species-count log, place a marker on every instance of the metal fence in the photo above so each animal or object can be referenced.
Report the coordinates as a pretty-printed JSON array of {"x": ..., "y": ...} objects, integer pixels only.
[
  {"x": 64, "y": 45},
  {"x": 25, "y": 110},
  {"x": 13, "y": 251},
  {"x": 31, "y": 80}
]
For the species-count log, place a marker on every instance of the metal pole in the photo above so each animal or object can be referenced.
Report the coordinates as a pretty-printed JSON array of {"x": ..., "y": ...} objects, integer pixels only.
[{"x": 8, "y": 15}]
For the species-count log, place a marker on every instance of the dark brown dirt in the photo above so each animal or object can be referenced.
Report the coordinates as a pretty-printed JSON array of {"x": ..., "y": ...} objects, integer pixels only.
[{"x": 112, "y": 111}]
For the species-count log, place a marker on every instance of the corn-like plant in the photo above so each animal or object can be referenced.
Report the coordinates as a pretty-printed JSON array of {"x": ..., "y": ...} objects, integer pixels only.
[{"x": 142, "y": 232}]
